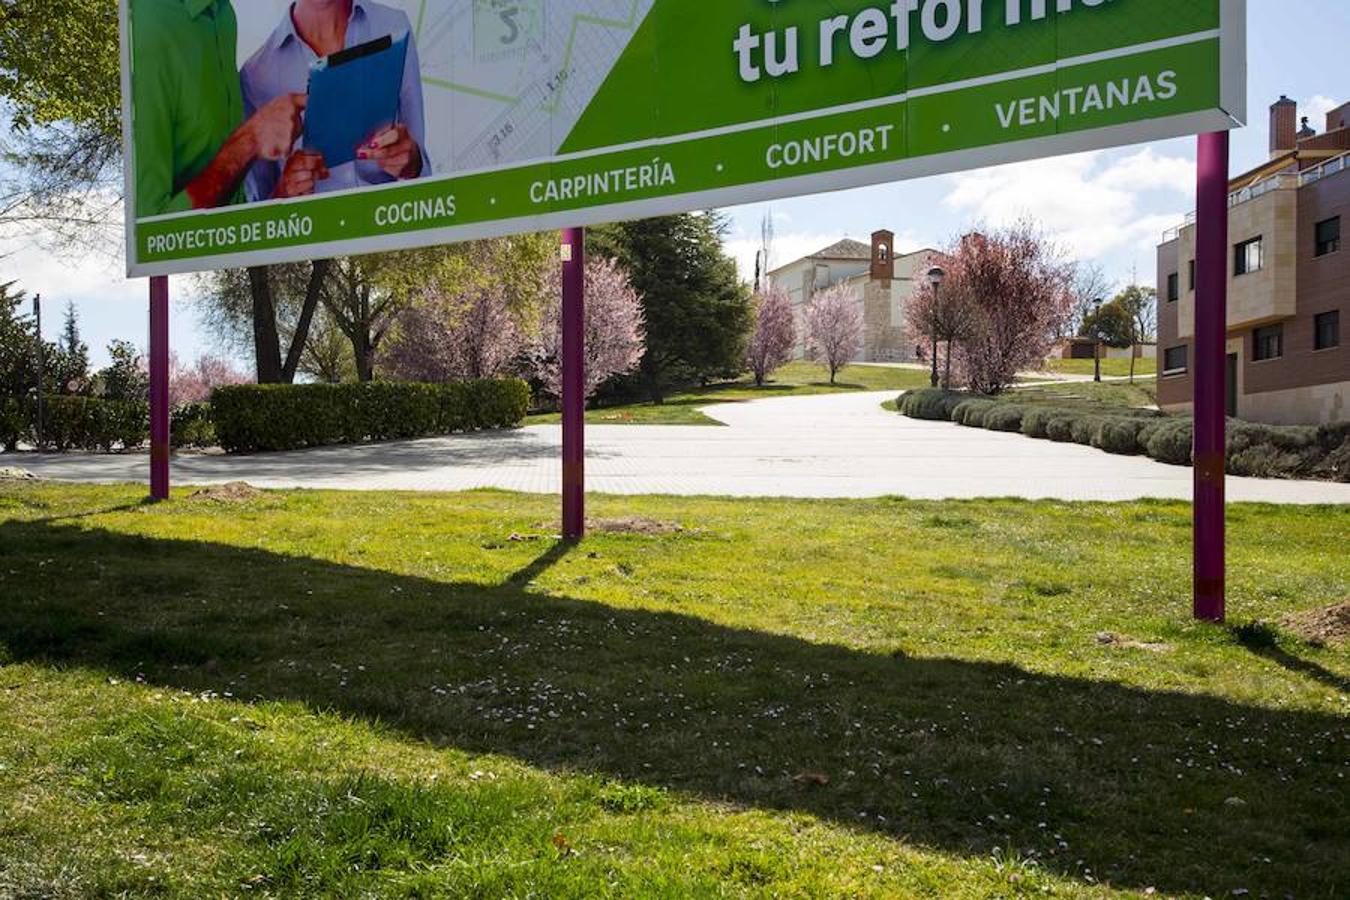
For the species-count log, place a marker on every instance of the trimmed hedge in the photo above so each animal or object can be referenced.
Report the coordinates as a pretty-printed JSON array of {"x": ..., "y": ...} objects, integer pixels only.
[
  {"x": 13, "y": 423},
  {"x": 1264, "y": 451},
  {"x": 91, "y": 423},
  {"x": 261, "y": 418},
  {"x": 971, "y": 413},
  {"x": 1005, "y": 417},
  {"x": 192, "y": 425}
]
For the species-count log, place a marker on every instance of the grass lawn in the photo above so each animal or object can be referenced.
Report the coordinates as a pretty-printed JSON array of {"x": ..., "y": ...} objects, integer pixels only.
[
  {"x": 796, "y": 379},
  {"x": 1111, "y": 368},
  {"x": 1089, "y": 393},
  {"x": 324, "y": 694}
]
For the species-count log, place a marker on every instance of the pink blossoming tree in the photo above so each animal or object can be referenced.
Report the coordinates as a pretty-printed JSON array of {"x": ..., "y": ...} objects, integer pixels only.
[
  {"x": 774, "y": 336},
  {"x": 615, "y": 330},
  {"x": 1017, "y": 289},
  {"x": 194, "y": 383},
  {"x": 451, "y": 334},
  {"x": 834, "y": 328}
]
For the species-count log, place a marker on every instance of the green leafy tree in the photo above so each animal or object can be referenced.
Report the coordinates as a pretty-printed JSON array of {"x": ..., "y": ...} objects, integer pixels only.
[
  {"x": 125, "y": 377},
  {"x": 60, "y": 82},
  {"x": 698, "y": 314},
  {"x": 1140, "y": 303},
  {"x": 1130, "y": 319},
  {"x": 1110, "y": 325}
]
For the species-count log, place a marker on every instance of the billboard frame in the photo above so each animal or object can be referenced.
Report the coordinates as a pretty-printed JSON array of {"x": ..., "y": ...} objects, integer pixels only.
[{"x": 1232, "y": 35}]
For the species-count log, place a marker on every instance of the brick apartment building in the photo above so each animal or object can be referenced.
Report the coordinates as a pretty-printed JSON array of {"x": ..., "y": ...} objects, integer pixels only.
[
  {"x": 1289, "y": 282},
  {"x": 880, "y": 281}
]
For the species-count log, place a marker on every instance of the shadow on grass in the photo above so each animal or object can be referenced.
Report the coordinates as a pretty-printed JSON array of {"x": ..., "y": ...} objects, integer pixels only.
[
  {"x": 1092, "y": 779},
  {"x": 1263, "y": 641}
]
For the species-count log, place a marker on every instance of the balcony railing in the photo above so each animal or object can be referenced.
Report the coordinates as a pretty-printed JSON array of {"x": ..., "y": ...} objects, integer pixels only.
[{"x": 1283, "y": 181}]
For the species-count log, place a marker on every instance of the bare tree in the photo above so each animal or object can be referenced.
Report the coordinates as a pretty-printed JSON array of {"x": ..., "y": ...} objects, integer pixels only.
[
  {"x": 1090, "y": 285},
  {"x": 258, "y": 310},
  {"x": 941, "y": 316}
]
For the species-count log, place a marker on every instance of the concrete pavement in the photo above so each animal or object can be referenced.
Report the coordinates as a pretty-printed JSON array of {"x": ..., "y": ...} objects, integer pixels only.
[{"x": 841, "y": 445}]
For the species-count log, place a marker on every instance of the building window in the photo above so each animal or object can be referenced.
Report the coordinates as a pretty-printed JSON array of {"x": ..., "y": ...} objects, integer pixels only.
[
  {"x": 1173, "y": 287},
  {"x": 1327, "y": 330},
  {"x": 1249, "y": 257},
  {"x": 1174, "y": 360},
  {"x": 1328, "y": 237},
  {"x": 1192, "y": 268},
  {"x": 1268, "y": 343}
]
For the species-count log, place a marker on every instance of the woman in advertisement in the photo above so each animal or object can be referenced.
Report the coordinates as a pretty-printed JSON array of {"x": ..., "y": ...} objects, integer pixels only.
[{"x": 314, "y": 30}]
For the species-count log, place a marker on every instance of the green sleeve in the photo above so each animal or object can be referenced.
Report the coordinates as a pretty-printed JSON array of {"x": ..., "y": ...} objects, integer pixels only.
[{"x": 153, "y": 100}]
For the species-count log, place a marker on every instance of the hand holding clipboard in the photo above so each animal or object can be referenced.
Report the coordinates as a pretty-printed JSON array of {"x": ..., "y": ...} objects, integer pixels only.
[{"x": 352, "y": 110}]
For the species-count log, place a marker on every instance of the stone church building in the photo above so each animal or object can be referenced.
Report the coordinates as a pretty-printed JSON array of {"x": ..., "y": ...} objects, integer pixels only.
[{"x": 880, "y": 281}]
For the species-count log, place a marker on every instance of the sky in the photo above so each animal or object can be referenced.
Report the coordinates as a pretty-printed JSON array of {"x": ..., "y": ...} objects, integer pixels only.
[{"x": 1108, "y": 207}]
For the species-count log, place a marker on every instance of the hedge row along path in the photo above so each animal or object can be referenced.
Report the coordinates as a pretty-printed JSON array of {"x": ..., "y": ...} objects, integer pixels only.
[{"x": 830, "y": 446}]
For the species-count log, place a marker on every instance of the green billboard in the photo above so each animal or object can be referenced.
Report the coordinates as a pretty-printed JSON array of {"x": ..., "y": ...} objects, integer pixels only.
[{"x": 264, "y": 131}]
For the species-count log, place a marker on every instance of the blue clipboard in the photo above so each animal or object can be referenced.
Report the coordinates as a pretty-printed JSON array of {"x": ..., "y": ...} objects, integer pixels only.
[{"x": 352, "y": 95}]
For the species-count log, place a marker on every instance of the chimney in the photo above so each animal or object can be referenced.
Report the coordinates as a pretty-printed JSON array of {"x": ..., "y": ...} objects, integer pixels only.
[
  {"x": 1283, "y": 126},
  {"x": 1339, "y": 117},
  {"x": 1307, "y": 132},
  {"x": 883, "y": 256}
]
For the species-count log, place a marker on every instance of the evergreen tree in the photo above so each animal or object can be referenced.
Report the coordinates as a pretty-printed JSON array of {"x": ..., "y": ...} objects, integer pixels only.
[
  {"x": 70, "y": 363},
  {"x": 698, "y": 314},
  {"x": 18, "y": 345}
]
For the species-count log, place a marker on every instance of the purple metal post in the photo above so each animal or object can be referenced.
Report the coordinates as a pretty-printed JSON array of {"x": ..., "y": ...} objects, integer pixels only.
[
  {"x": 574, "y": 383},
  {"x": 1210, "y": 368},
  {"x": 159, "y": 388}
]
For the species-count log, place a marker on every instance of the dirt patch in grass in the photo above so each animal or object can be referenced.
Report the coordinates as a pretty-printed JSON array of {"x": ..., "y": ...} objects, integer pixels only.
[
  {"x": 11, "y": 473},
  {"x": 1320, "y": 627},
  {"x": 232, "y": 493},
  {"x": 1111, "y": 639},
  {"x": 634, "y": 525}
]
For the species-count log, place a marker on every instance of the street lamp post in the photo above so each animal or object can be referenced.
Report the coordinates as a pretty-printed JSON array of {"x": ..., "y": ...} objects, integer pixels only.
[
  {"x": 1097, "y": 341},
  {"x": 41, "y": 364},
  {"x": 936, "y": 276}
]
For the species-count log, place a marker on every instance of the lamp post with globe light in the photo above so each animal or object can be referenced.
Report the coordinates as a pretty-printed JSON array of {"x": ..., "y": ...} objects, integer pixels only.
[
  {"x": 936, "y": 276},
  {"x": 1097, "y": 340}
]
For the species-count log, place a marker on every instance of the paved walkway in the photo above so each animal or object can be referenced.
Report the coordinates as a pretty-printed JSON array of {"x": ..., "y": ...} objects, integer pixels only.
[{"x": 827, "y": 446}]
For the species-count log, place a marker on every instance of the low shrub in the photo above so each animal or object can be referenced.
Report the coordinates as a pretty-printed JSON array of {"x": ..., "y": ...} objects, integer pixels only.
[
  {"x": 1120, "y": 435},
  {"x": 1059, "y": 427},
  {"x": 191, "y": 425},
  {"x": 254, "y": 418},
  {"x": 1036, "y": 419},
  {"x": 1260, "y": 451},
  {"x": 1169, "y": 441},
  {"x": 932, "y": 404},
  {"x": 971, "y": 413},
  {"x": 1335, "y": 466},
  {"x": 1085, "y": 429},
  {"x": 1005, "y": 417},
  {"x": 1273, "y": 451}
]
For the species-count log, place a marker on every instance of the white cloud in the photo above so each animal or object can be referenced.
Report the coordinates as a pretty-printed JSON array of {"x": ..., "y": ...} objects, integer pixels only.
[
  {"x": 1092, "y": 203},
  {"x": 68, "y": 276},
  {"x": 1316, "y": 110}
]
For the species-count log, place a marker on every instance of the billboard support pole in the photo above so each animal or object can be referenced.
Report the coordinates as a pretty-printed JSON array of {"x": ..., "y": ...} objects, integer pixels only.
[
  {"x": 1211, "y": 370},
  {"x": 574, "y": 383},
  {"x": 159, "y": 388}
]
